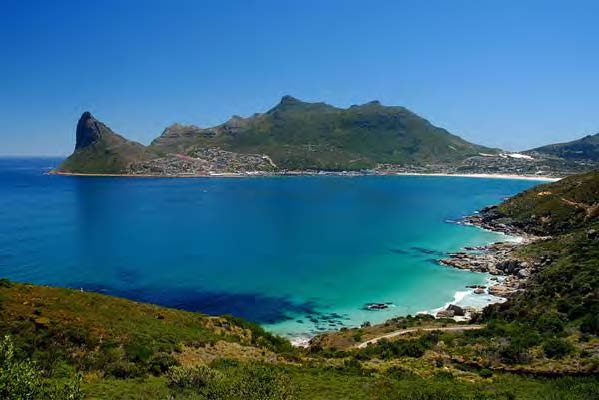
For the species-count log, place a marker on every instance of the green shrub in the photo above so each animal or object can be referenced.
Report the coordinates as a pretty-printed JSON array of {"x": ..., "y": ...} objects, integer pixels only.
[
  {"x": 160, "y": 363},
  {"x": 251, "y": 382},
  {"x": 515, "y": 353},
  {"x": 557, "y": 348},
  {"x": 358, "y": 336},
  {"x": 22, "y": 380},
  {"x": 550, "y": 323},
  {"x": 590, "y": 324},
  {"x": 485, "y": 373},
  {"x": 196, "y": 378},
  {"x": 5, "y": 283},
  {"x": 124, "y": 369},
  {"x": 137, "y": 349}
]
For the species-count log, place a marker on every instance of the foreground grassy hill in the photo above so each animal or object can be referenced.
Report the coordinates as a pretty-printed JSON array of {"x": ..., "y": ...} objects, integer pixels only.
[{"x": 88, "y": 345}]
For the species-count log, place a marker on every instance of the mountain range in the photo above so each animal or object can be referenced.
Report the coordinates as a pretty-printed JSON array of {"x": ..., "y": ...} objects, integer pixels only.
[{"x": 299, "y": 136}]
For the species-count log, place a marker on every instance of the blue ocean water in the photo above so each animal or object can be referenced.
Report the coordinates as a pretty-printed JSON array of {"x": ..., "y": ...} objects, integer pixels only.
[{"x": 299, "y": 254}]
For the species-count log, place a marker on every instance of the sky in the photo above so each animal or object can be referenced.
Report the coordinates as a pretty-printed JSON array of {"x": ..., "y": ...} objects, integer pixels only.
[{"x": 513, "y": 74}]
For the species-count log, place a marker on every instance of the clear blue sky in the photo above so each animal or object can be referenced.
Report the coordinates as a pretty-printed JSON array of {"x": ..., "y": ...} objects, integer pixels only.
[{"x": 512, "y": 74}]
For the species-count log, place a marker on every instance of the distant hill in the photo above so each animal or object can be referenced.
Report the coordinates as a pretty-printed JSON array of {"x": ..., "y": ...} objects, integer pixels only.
[
  {"x": 293, "y": 135},
  {"x": 586, "y": 148}
]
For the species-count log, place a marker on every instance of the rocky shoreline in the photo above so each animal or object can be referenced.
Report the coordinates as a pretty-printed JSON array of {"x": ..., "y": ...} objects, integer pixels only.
[{"x": 500, "y": 259}]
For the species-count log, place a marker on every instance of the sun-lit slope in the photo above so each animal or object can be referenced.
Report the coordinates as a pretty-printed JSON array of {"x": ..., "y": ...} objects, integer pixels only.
[
  {"x": 586, "y": 148},
  {"x": 301, "y": 135},
  {"x": 565, "y": 205},
  {"x": 115, "y": 336}
]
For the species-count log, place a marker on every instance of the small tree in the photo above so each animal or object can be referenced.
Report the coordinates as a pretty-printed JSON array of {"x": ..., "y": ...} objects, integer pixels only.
[{"x": 22, "y": 379}]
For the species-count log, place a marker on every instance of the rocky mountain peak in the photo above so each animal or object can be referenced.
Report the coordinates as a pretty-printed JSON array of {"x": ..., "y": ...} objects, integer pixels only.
[
  {"x": 89, "y": 130},
  {"x": 287, "y": 99}
]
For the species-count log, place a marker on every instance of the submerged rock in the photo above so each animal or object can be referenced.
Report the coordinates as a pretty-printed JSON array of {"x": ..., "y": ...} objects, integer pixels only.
[{"x": 376, "y": 306}]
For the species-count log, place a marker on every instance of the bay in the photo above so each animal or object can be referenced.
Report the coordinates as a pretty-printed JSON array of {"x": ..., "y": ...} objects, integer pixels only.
[{"x": 299, "y": 255}]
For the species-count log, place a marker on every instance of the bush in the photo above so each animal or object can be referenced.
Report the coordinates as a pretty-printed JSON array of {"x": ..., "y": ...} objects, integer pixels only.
[
  {"x": 358, "y": 336},
  {"x": 485, "y": 373},
  {"x": 515, "y": 353},
  {"x": 556, "y": 348},
  {"x": 590, "y": 324},
  {"x": 160, "y": 363},
  {"x": 251, "y": 382},
  {"x": 192, "y": 378},
  {"x": 22, "y": 380},
  {"x": 5, "y": 283},
  {"x": 138, "y": 350},
  {"x": 550, "y": 323},
  {"x": 124, "y": 369}
]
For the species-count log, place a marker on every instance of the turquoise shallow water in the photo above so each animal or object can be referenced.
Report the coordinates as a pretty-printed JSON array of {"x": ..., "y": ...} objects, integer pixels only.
[{"x": 298, "y": 255}]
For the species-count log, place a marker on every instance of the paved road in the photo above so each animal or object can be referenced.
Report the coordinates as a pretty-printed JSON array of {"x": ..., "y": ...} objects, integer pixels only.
[{"x": 416, "y": 329}]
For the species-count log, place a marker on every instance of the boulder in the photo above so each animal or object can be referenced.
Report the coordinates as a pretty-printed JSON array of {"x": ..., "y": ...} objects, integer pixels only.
[
  {"x": 457, "y": 310},
  {"x": 523, "y": 273},
  {"x": 509, "y": 266},
  {"x": 445, "y": 314}
]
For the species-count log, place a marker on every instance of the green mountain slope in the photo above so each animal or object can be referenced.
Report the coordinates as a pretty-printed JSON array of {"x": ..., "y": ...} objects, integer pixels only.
[
  {"x": 560, "y": 305},
  {"x": 294, "y": 135},
  {"x": 584, "y": 149},
  {"x": 300, "y": 135},
  {"x": 552, "y": 209}
]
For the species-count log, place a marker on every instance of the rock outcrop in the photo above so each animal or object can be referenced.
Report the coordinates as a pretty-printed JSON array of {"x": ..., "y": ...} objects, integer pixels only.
[{"x": 90, "y": 131}]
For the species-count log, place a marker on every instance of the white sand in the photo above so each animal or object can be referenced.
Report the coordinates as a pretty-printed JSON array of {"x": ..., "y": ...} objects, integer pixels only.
[{"x": 494, "y": 176}]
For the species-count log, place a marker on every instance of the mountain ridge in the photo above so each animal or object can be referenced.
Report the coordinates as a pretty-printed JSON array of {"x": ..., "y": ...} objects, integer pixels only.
[
  {"x": 585, "y": 148},
  {"x": 296, "y": 135}
]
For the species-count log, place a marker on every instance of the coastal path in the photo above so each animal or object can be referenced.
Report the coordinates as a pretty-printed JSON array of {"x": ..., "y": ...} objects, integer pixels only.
[{"x": 416, "y": 329}]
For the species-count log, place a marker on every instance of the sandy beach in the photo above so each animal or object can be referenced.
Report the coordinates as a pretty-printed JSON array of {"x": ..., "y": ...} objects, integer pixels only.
[
  {"x": 493, "y": 176},
  {"x": 254, "y": 174}
]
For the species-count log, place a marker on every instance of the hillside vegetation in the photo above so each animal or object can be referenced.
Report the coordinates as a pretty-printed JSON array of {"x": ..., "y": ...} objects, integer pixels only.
[
  {"x": 586, "y": 148},
  {"x": 567, "y": 205},
  {"x": 294, "y": 134},
  {"x": 300, "y": 135}
]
